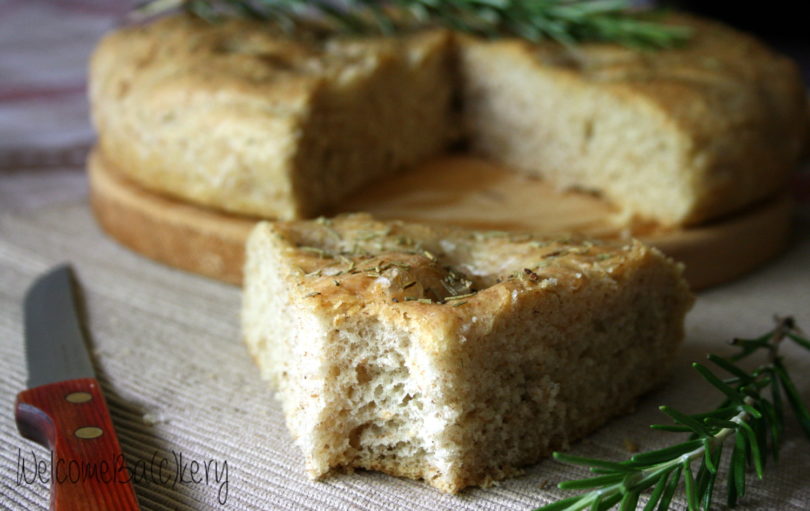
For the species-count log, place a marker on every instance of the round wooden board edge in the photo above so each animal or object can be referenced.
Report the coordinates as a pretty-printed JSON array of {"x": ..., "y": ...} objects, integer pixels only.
[
  {"x": 211, "y": 243},
  {"x": 167, "y": 230}
]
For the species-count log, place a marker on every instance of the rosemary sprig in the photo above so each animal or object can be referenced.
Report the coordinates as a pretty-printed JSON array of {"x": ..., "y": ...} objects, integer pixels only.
[
  {"x": 566, "y": 21},
  {"x": 749, "y": 418}
]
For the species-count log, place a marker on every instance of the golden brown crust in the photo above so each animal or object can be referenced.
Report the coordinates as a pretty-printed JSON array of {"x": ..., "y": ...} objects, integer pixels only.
[
  {"x": 355, "y": 261},
  {"x": 356, "y": 257}
]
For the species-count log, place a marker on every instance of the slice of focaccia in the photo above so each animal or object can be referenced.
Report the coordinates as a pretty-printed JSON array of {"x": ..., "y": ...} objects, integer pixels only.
[
  {"x": 679, "y": 136},
  {"x": 448, "y": 355}
]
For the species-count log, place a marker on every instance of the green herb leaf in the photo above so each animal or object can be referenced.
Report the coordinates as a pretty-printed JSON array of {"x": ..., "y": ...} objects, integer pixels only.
[
  {"x": 684, "y": 419},
  {"x": 591, "y": 482},
  {"x": 793, "y": 397},
  {"x": 666, "y": 453},
  {"x": 729, "y": 366},
  {"x": 746, "y": 415},
  {"x": 560, "y": 505},
  {"x": 714, "y": 380},
  {"x": 708, "y": 491},
  {"x": 660, "y": 486},
  {"x": 690, "y": 487},
  {"x": 669, "y": 492},
  {"x": 566, "y": 21},
  {"x": 629, "y": 501},
  {"x": 799, "y": 340},
  {"x": 592, "y": 462},
  {"x": 672, "y": 428}
]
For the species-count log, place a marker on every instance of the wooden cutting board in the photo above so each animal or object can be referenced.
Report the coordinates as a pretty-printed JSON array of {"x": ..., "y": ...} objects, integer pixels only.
[{"x": 457, "y": 190}]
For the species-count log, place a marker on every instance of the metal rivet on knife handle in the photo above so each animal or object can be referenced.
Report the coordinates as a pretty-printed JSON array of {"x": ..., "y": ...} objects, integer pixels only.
[
  {"x": 64, "y": 408},
  {"x": 88, "y": 432},
  {"x": 78, "y": 397}
]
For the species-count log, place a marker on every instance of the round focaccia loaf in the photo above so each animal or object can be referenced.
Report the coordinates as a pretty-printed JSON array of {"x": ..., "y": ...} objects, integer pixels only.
[{"x": 241, "y": 117}]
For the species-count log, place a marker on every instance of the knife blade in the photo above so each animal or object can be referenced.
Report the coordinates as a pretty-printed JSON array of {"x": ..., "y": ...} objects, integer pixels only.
[
  {"x": 64, "y": 408},
  {"x": 54, "y": 343}
]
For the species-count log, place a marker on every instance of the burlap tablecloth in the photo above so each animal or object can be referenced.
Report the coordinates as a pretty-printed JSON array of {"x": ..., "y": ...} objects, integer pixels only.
[{"x": 181, "y": 387}]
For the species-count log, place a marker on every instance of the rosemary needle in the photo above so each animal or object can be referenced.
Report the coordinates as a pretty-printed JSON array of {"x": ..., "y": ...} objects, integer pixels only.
[
  {"x": 750, "y": 418},
  {"x": 565, "y": 21}
]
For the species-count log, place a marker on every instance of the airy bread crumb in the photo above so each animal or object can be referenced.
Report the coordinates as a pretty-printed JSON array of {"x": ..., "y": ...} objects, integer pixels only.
[
  {"x": 678, "y": 136},
  {"x": 448, "y": 355}
]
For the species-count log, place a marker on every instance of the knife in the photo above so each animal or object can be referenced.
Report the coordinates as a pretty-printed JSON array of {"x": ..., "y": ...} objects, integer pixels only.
[{"x": 64, "y": 409}]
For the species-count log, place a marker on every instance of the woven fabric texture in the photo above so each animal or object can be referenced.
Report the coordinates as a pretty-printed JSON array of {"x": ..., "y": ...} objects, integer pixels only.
[
  {"x": 182, "y": 389},
  {"x": 180, "y": 383}
]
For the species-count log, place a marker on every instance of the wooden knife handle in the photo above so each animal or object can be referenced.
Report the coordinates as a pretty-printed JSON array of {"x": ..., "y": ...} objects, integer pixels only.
[{"x": 88, "y": 471}]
